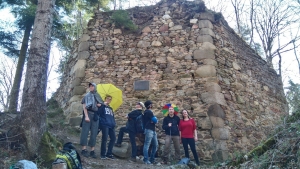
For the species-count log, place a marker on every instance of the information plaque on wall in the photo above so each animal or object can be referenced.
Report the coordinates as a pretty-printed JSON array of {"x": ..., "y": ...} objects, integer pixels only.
[{"x": 140, "y": 85}]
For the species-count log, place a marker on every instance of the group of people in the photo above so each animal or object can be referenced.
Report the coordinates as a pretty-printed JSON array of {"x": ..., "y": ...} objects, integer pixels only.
[{"x": 98, "y": 116}]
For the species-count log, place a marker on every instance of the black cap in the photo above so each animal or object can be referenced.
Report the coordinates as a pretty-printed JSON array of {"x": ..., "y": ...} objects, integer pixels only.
[
  {"x": 91, "y": 84},
  {"x": 148, "y": 103}
]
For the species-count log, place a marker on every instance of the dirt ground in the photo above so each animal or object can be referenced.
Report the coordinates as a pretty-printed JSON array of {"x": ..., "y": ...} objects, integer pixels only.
[
  {"x": 117, "y": 163},
  {"x": 65, "y": 133},
  {"x": 72, "y": 134}
]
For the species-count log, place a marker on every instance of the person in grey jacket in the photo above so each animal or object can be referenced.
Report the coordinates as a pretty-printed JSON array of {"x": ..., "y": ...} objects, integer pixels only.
[{"x": 90, "y": 103}]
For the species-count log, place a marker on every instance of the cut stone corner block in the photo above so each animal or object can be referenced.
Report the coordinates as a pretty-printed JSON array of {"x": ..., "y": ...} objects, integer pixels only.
[
  {"x": 206, "y": 71},
  {"x": 79, "y": 69},
  {"x": 220, "y": 156},
  {"x": 213, "y": 97},
  {"x": 220, "y": 133}
]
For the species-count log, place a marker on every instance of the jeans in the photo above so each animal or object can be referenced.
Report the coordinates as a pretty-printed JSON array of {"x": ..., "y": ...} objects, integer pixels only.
[
  {"x": 133, "y": 144},
  {"x": 176, "y": 142},
  {"x": 86, "y": 127},
  {"x": 121, "y": 134},
  {"x": 105, "y": 133},
  {"x": 191, "y": 142},
  {"x": 150, "y": 138}
]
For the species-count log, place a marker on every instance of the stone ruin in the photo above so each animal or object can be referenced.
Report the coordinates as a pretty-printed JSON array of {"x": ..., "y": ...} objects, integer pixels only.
[{"x": 189, "y": 56}]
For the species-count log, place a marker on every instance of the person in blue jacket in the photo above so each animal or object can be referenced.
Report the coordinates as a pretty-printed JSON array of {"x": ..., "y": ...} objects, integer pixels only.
[
  {"x": 107, "y": 125},
  {"x": 150, "y": 135}
]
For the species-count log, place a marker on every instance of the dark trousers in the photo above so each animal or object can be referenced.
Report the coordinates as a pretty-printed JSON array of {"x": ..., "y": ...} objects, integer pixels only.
[
  {"x": 133, "y": 144},
  {"x": 191, "y": 142},
  {"x": 131, "y": 138},
  {"x": 121, "y": 134},
  {"x": 105, "y": 133}
]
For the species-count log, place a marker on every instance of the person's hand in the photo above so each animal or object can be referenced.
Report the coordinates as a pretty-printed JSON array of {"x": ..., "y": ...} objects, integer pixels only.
[
  {"x": 195, "y": 138},
  {"x": 98, "y": 104},
  {"x": 87, "y": 119},
  {"x": 170, "y": 124}
]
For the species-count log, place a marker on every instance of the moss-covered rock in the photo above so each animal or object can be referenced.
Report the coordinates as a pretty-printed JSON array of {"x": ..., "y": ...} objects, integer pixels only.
[{"x": 48, "y": 147}]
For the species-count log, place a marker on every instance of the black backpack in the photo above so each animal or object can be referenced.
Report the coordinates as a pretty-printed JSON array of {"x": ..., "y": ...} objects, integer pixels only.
[
  {"x": 70, "y": 156},
  {"x": 139, "y": 124}
]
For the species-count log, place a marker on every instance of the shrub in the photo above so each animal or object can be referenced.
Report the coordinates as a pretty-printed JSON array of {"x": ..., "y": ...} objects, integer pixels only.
[{"x": 122, "y": 20}]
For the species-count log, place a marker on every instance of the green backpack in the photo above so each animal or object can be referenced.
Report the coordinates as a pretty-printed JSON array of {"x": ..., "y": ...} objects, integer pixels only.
[{"x": 70, "y": 156}]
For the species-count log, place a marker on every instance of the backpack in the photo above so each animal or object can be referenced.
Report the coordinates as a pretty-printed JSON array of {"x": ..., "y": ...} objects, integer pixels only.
[
  {"x": 139, "y": 124},
  {"x": 70, "y": 156}
]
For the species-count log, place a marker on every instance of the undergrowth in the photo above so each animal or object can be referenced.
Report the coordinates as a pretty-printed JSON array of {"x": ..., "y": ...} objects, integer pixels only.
[{"x": 280, "y": 150}]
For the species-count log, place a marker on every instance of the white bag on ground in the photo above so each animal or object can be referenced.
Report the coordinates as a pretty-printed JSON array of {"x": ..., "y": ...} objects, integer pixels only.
[{"x": 25, "y": 164}]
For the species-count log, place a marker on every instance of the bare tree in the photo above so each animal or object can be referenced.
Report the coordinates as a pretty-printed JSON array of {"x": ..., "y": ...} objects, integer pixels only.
[
  {"x": 217, "y": 6},
  {"x": 7, "y": 68},
  {"x": 271, "y": 20},
  {"x": 238, "y": 6},
  {"x": 294, "y": 33},
  {"x": 33, "y": 108}
]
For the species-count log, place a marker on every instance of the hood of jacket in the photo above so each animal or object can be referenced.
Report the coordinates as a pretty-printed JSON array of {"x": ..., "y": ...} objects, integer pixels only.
[
  {"x": 96, "y": 94},
  {"x": 95, "y": 87}
]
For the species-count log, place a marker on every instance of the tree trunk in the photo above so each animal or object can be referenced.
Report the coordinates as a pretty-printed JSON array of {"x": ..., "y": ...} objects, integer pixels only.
[
  {"x": 295, "y": 52},
  {"x": 279, "y": 63},
  {"x": 251, "y": 22},
  {"x": 33, "y": 109},
  {"x": 14, "y": 94}
]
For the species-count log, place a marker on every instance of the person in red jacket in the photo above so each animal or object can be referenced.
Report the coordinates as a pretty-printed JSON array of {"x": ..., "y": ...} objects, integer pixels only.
[{"x": 188, "y": 135}]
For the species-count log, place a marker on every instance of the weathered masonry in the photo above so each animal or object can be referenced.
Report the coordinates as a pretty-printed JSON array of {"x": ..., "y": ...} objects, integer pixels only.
[{"x": 190, "y": 57}]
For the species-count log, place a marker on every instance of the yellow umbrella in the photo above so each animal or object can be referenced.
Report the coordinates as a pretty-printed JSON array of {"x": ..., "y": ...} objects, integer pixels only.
[{"x": 114, "y": 92}]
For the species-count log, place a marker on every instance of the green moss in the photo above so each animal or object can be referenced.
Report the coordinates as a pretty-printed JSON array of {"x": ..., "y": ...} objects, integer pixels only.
[
  {"x": 238, "y": 159},
  {"x": 257, "y": 151},
  {"x": 48, "y": 148},
  {"x": 122, "y": 20}
]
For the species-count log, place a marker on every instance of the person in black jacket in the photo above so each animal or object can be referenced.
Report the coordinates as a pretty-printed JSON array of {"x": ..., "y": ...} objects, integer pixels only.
[
  {"x": 170, "y": 125},
  {"x": 107, "y": 125},
  {"x": 131, "y": 130},
  {"x": 139, "y": 106}
]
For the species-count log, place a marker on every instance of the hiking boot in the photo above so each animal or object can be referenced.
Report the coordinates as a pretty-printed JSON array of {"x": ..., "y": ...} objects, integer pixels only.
[
  {"x": 111, "y": 157},
  {"x": 164, "y": 161},
  {"x": 92, "y": 154},
  {"x": 132, "y": 159},
  {"x": 85, "y": 153},
  {"x": 147, "y": 162},
  {"x": 103, "y": 158},
  {"x": 117, "y": 145},
  {"x": 154, "y": 162}
]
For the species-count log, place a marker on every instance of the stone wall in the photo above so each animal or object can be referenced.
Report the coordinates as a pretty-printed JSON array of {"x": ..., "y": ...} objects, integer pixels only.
[{"x": 192, "y": 59}]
